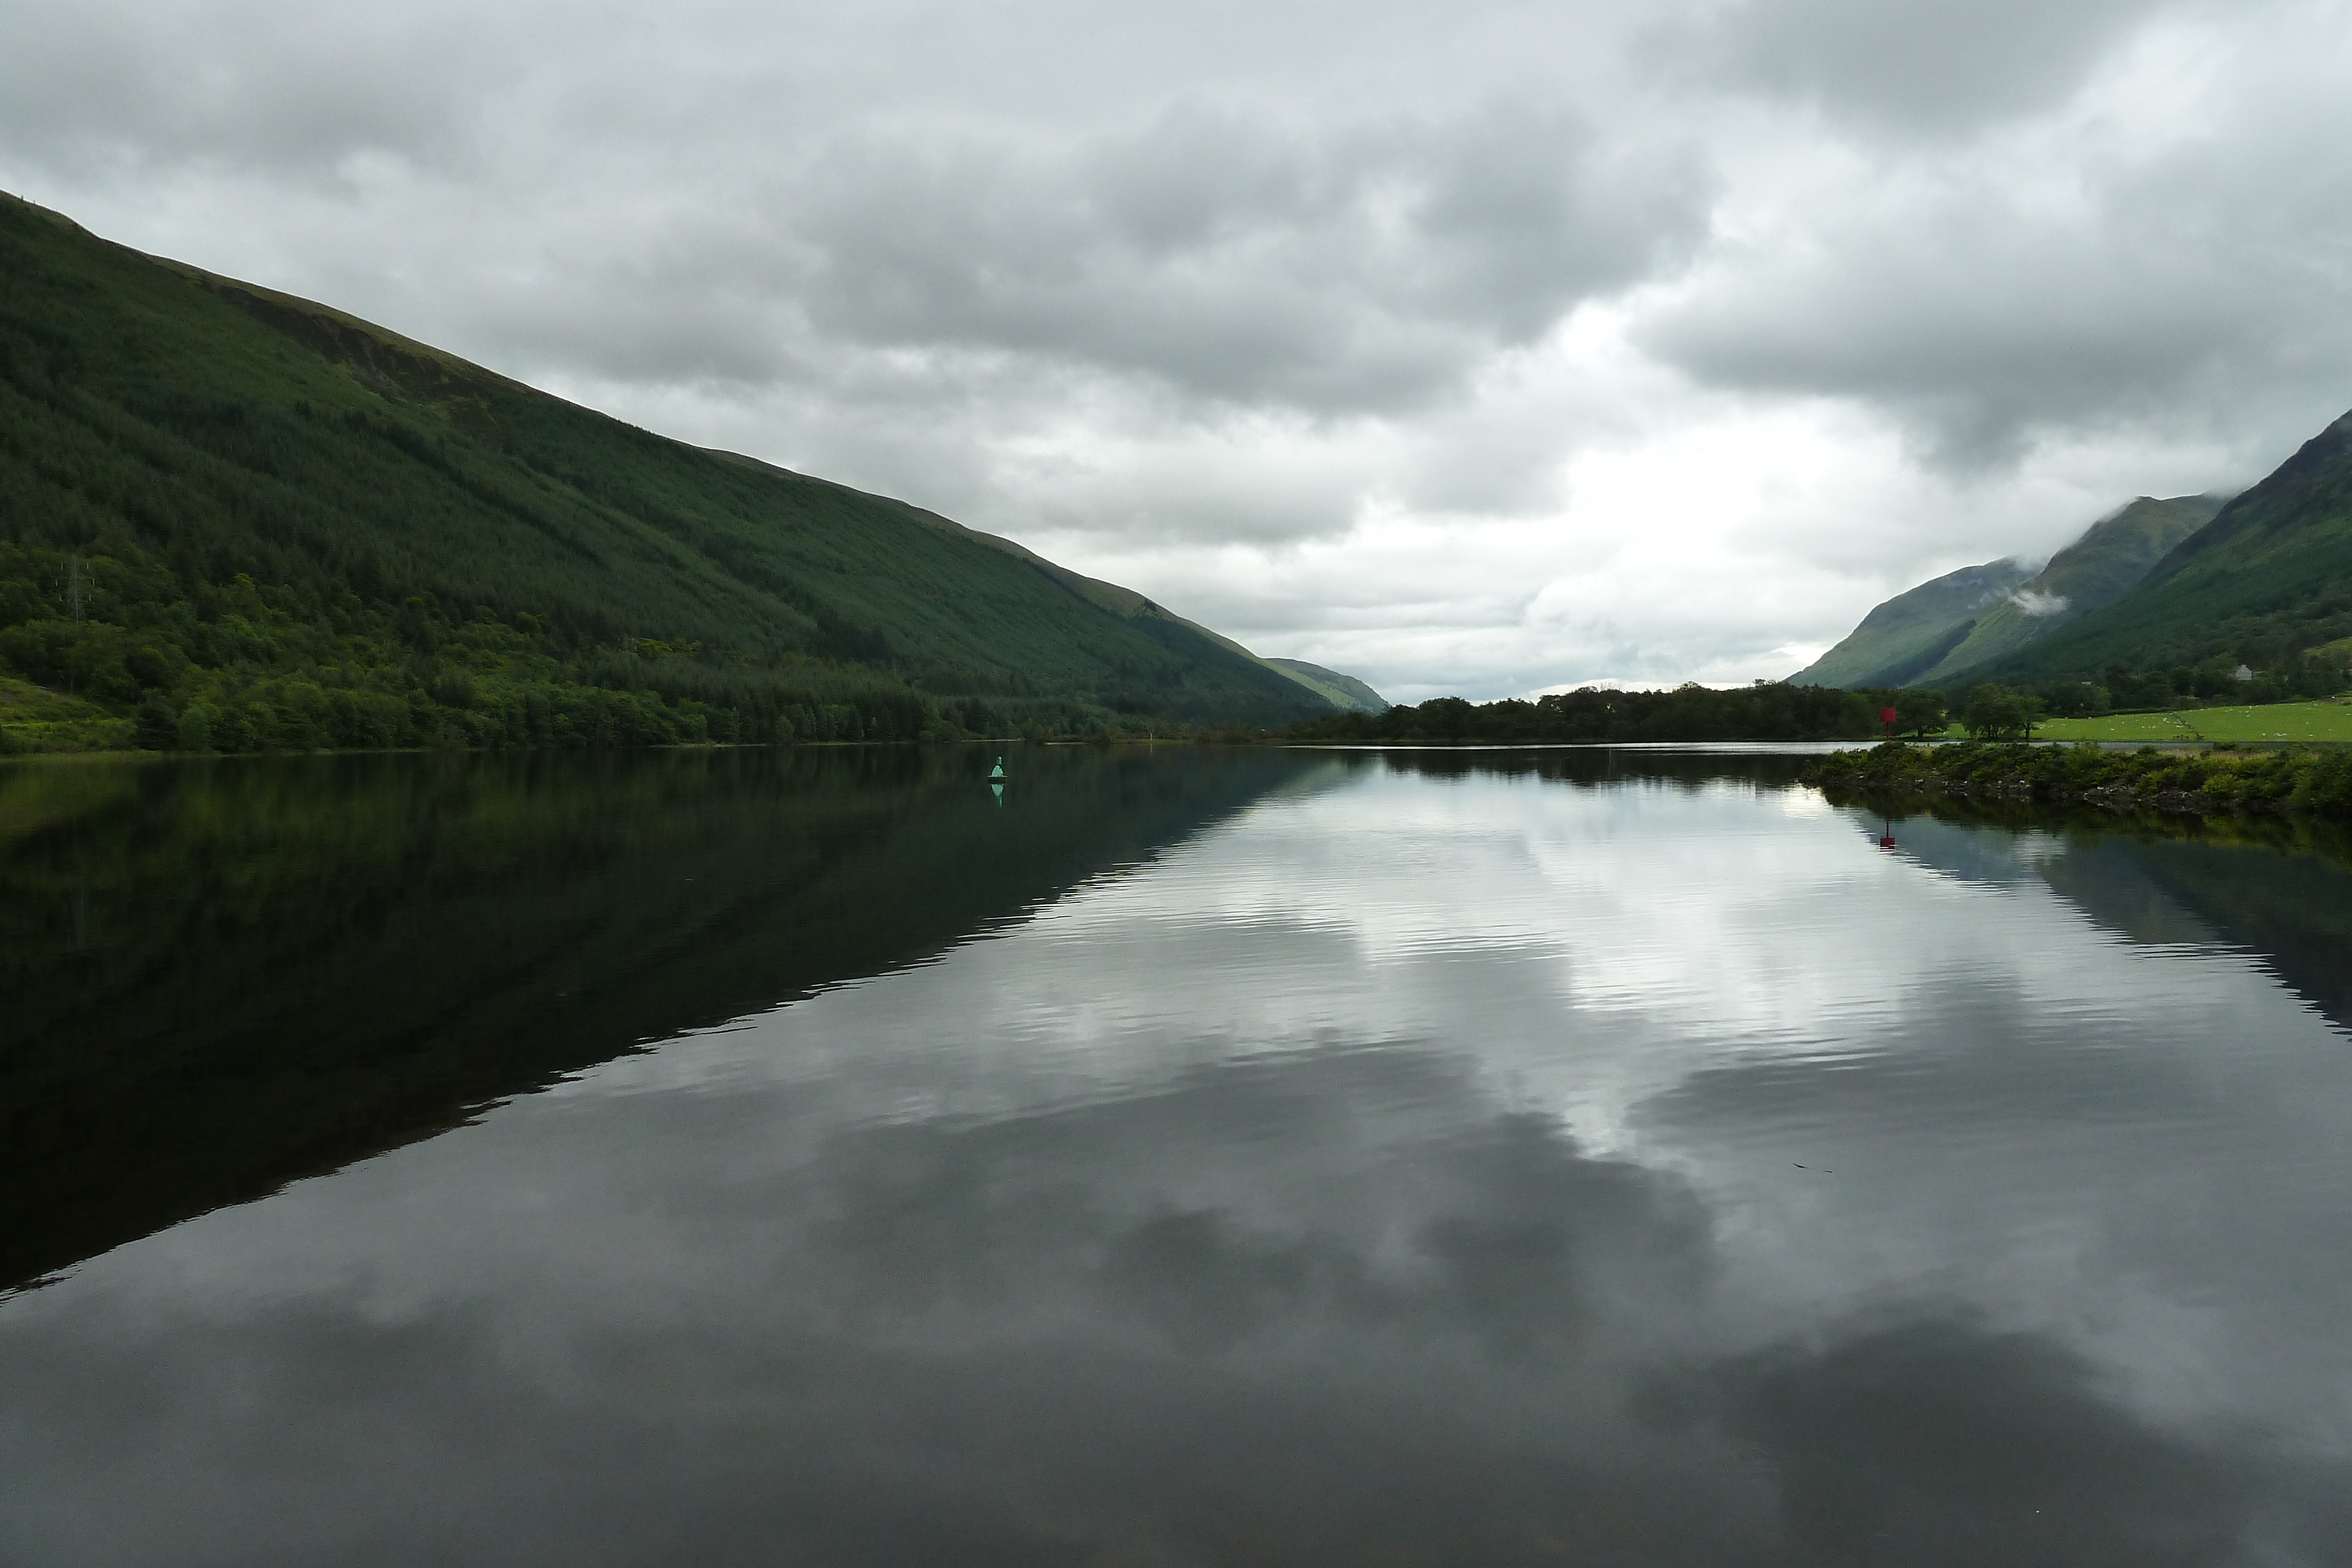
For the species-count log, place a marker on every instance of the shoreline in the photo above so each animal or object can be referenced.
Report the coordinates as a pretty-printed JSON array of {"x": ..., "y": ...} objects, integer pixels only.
[{"x": 2274, "y": 781}]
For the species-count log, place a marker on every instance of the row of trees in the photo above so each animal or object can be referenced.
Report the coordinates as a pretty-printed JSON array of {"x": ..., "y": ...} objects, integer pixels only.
[
  {"x": 1772, "y": 710},
  {"x": 1994, "y": 712},
  {"x": 2292, "y": 677}
]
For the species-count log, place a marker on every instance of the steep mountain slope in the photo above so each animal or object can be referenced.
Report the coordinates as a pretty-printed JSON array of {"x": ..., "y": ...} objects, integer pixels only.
[
  {"x": 1914, "y": 630},
  {"x": 1345, "y": 692},
  {"x": 2269, "y": 577},
  {"x": 2094, "y": 571},
  {"x": 307, "y": 529},
  {"x": 1124, "y": 602}
]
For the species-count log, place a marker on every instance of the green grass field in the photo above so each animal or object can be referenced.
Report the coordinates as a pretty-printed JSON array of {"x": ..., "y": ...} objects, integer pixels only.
[{"x": 2276, "y": 721}]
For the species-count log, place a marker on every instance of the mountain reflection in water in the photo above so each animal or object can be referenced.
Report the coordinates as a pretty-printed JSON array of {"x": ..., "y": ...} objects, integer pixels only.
[{"x": 1604, "y": 1156}]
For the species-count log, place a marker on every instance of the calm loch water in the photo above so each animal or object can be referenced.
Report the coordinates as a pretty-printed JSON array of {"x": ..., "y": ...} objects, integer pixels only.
[{"x": 1283, "y": 1158}]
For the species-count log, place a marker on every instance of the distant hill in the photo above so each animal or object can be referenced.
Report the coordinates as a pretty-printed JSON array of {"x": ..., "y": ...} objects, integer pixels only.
[
  {"x": 1344, "y": 692},
  {"x": 2096, "y": 570},
  {"x": 251, "y": 520},
  {"x": 1915, "y": 629},
  {"x": 2269, "y": 578},
  {"x": 1968, "y": 619}
]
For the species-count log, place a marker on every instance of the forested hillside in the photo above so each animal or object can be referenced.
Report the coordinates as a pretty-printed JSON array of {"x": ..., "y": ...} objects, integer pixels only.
[{"x": 236, "y": 521}]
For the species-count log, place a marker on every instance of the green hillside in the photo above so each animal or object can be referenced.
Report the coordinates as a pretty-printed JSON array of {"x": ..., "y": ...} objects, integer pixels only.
[
  {"x": 2094, "y": 571},
  {"x": 1344, "y": 692},
  {"x": 1915, "y": 629},
  {"x": 247, "y": 522},
  {"x": 2267, "y": 580},
  {"x": 1125, "y": 603}
]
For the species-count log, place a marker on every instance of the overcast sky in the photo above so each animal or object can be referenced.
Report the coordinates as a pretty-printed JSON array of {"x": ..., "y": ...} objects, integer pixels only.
[{"x": 1476, "y": 346}]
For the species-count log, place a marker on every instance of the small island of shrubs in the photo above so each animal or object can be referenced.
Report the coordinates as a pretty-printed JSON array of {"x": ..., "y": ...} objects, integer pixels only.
[{"x": 2217, "y": 780}]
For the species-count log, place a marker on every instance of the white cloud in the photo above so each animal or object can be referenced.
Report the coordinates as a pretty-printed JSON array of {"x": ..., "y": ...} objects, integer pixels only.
[{"x": 2036, "y": 603}]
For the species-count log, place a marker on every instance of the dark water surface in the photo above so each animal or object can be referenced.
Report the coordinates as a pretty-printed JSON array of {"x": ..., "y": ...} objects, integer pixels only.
[{"x": 1610, "y": 1157}]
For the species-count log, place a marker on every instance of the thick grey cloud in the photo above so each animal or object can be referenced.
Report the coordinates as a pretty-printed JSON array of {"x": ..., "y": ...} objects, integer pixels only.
[
  {"x": 1214, "y": 262},
  {"x": 1335, "y": 269},
  {"x": 1691, "y": 330},
  {"x": 1990, "y": 310},
  {"x": 1909, "y": 64},
  {"x": 270, "y": 89}
]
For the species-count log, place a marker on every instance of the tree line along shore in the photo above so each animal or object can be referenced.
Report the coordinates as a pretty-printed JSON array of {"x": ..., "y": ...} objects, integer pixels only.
[
  {"x": 415, "y": 679},
  {"x": 219, "y": 682}
]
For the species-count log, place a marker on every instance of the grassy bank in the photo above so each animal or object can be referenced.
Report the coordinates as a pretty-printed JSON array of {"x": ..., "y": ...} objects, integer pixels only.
[
  {"x": 34, "y": 719},
  {"x": 2172, "y": 781}
]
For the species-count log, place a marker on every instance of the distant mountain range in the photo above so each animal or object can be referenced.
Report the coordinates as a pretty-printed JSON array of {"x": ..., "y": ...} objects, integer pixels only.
[
  {"x": 253, "y": 520},
  {"x": 2263, "y": 578},
  {"x": 1980, "y": 614},
  {"x": 2270, "y": 577},
  {"x": 1915, "y": 630}
]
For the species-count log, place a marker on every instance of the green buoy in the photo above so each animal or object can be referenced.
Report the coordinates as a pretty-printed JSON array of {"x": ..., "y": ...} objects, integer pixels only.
[{"x": 997, "y": 771}]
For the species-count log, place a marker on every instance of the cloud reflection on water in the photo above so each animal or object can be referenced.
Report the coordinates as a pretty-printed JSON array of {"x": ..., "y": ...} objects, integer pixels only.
[{"x": 1401, "y": 1172}]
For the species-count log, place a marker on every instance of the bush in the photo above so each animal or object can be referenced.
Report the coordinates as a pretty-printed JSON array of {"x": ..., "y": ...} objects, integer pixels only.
[
  {"x": 196, "y": 727},
  {"x": 158, "y": 726}
]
